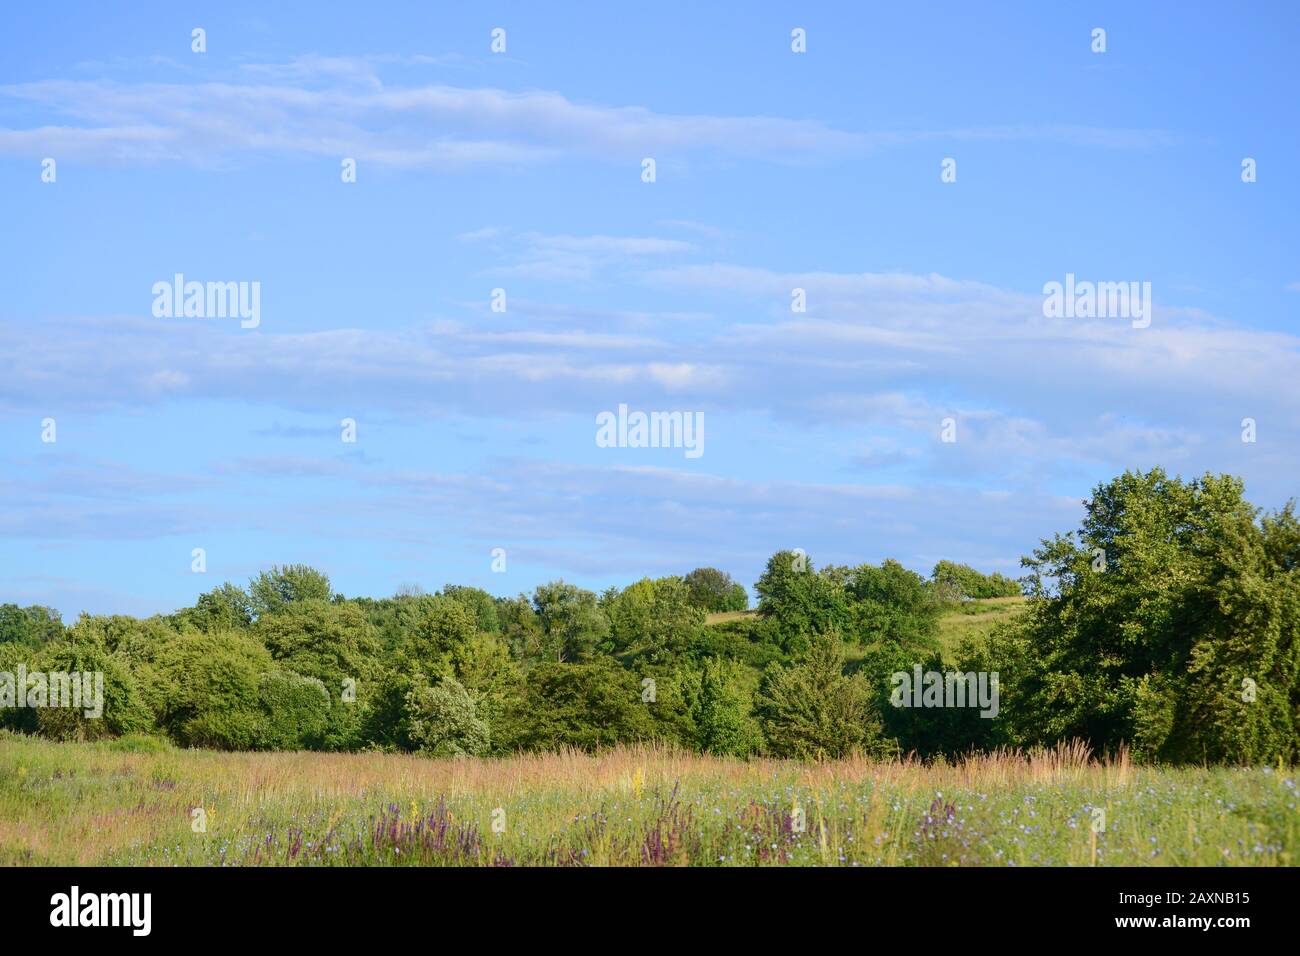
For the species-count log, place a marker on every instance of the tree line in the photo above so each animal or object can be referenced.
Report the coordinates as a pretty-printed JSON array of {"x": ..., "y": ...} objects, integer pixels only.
[{"x": 1166, "y": 623}]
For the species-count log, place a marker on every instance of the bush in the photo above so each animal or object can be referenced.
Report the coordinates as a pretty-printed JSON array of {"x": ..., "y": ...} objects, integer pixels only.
[
  {"x": 296, "y": 711},
  {"x": 892, "y": 605},
  {"x": 123, "y": 709},
  {"x": 479, "y": 603},
  {"x": 723, "y": 710},
  {"x": 799, "y": 601},
  {"x": 812, "y": 711},
  {"x": 209, "y": 688},
  {"x": 140, "y": 744},
  {"x": 272, "y": 590},
  {"x": 33, "y": 626},
  {"x": 653, "y": 621},
  {"x": 445, "y": 723},
  {"x": 955, "y": 582},
  {"x": 587, "y": 706},
  {"x": 335, "y": 645},
  {"x": 714, "y": 591}
]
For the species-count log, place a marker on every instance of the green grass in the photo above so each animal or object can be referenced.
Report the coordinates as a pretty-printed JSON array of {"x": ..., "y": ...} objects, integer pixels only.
[
  {"x": 720, "y": 617},
  {"x": 955, "y": 624},
  {"x": 975, "y": 618},
  {"x": 132, "y": 802}
]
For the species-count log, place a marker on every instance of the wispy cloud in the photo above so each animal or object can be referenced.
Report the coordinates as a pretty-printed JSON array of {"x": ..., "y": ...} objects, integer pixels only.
[
  {"x": 340, "y": 106},
  {"x": 890, "y": 353}
]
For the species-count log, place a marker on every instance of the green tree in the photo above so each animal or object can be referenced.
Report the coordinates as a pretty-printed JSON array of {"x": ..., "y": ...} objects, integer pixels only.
[
  {"x": 333, "y": 644},
  {"x": 295, "y": 711},
  {"x": 572, "y": 622},
  {"x": 479, "y": 603},
  {"x": 955, "y": 582},
  {"x": 445, "y": 723},
  {"x": 723, "y": 712},
  {"x": 587, "y": 706},
  {"x": 224, "y": 608},
  {"x": 271, "y": 590},
  {"x": 120, "y": 710},
  {"x": 653, "y": 620},
  {"x": 892, "y": 604},
  {"x": 812, "y": 711},
  {"x": 800, "y": 601},
  {"x": 522, "y": 630},
  {"x": 34, "y": 626},
  {"x": 207, "y": 688},
  {"x": 1168, "y": 620},
  {"x": 714, "y": 591}
]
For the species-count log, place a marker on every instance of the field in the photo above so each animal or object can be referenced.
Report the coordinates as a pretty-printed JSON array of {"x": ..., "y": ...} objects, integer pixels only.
[
  {"x": 975, "y": 618},
  {"x": 956, "y": 623},
  {"x": 134, "y": 802}
]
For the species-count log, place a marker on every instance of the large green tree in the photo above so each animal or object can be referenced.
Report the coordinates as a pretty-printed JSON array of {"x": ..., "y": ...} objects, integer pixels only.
[
  {"x": 712, "y": 590},
  {"x": 571, "y": 619},
  {"x": 800, "y": 601},
  {"x": 271, "y": 590},
  {"x": 1168, "y": 620}
]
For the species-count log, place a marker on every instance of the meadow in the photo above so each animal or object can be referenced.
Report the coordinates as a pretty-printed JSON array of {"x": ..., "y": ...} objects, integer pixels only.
[
  {"x": 133, "y": 801},
  {"x": 974, "y": 619}
]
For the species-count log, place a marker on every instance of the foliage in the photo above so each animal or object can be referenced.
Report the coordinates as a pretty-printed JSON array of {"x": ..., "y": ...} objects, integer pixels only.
[
  {"x": 585, "y": 706},
  {"x": 211, "y": 687},
  {"x": 33, "y": 626},
  {"x": 1169, "y": 620},
  {"x": 799, "y": 601},
  {"x": 296, "y": 711},
  {"x": 572, "y": 623},
  {"x": 479, "y": 603},
  {"x": 957, "y": 582},
  {"x": 271, "y": 590},
  {"x": 1166, "y": 623},
  {"x": 653, "y": 620},
  {"x": 444, "y": 721},
  {"x": 811, "y": 710},
  {"x": 714, "y": 591},
  {"x": 723, "y": 710}
]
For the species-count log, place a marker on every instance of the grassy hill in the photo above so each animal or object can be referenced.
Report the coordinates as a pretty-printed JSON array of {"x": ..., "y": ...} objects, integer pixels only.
[
  {"x": 956, "y": 623},
  {"x": 976, "y": 617}
]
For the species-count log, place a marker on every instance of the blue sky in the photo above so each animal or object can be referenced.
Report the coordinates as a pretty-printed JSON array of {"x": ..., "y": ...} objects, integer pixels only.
[{"x": 522, "y": 171}]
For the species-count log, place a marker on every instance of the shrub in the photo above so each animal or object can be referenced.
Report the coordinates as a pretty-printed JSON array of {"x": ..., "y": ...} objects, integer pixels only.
[
  {"x": 811, "y": 710},
  {"x": 954, "y": 582},
  {"x": 445, "y": 723},
  {"x": 335, "y": 645},
  {"x": 272, "y": 590},
  {"x": 713, "y": 591},
  {"x": 137, "y": 743},
  {"x": 33, "y": 626},
  {"x": 210, "y": 689},
  {"x": 723, "y": 719},
  {"x": 800, "y": 601},
  {"x": 579, "y": 705},
  {"x": 296, "y": 711}
]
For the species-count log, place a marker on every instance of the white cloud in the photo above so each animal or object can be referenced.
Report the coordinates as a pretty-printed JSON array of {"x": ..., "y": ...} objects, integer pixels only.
[
  {"x": 339, "y": 106},
  {"x": 882, "y": 357}
]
